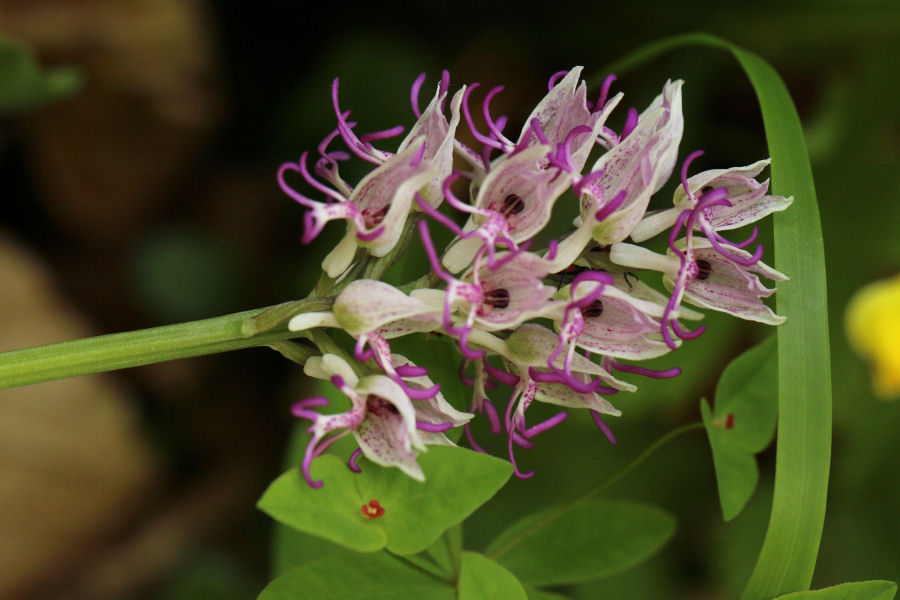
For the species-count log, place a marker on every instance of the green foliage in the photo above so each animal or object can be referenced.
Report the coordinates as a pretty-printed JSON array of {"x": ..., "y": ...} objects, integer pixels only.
[
  {"x": 860, "y": 590},
  {"x": 789, "y": 551},
  {"x": 742, "y": 423},
  {"x": 581, "y": 541},
  {"x": 483, "y": 579},
  {"x": 346, "y": 575},
  {"x": 538, "y": 594},
  {"x": 24, "y": 86},
  {"x": 457, "y": 482}
]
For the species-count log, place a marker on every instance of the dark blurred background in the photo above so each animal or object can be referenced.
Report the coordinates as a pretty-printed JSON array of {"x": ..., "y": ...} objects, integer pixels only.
[{"x": 148, "y": 197}]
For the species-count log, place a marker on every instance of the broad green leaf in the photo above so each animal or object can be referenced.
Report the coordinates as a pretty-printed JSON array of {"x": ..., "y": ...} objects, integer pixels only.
[
  {"x": 736, "y": 470},
  {"x": 539, "y": 594},
  {"x": 333, "y": 511},
  {"x": 416, "y": 513},
  {"x": 483, "y": 579},
  {"x": 861, "y": 590},
  {"x": 788, "y": 555},
  {"x": 457, "y": 481},
  {"x": 346, "y": 575},
  {"x": 23, "y": 85},
  {"x": 748, "y": 391},
  {"x": 582, "y": 541}
]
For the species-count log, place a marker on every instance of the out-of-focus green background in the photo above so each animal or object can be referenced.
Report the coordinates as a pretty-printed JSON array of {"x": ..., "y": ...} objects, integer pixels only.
[{"x": 148, "y": 197}]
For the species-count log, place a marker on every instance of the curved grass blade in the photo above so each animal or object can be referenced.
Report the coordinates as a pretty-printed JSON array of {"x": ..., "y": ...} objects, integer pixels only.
[{"x": 789, "y": 551}]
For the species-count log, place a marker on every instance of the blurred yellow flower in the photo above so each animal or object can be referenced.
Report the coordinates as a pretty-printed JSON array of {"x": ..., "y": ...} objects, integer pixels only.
[{"x": 873, "y": 326}]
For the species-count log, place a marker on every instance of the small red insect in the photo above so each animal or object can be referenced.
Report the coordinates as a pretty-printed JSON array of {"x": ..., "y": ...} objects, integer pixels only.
[
  {"x": 373, "y": 509},
  {"x": 729, "y": 421}
]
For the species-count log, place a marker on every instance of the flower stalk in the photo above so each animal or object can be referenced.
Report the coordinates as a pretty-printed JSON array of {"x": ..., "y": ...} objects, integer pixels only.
[{"x": 147, "y": 346}]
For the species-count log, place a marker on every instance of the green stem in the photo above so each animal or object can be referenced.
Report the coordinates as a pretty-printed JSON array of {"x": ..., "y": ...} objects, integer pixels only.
[
  {"x": 423, "y": 566},
  {"x": 146, "y": 346}
]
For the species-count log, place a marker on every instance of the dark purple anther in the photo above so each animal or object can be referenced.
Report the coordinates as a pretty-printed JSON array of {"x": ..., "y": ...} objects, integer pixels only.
[
  {"x": 703, "y": 270},
  {"x": 595, "y": 309},
  {"x": 512, "y": 205},
  {"x": 498, "y": 298}
]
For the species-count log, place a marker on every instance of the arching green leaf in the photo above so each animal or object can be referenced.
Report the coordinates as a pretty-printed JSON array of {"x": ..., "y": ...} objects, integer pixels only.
[
  {"x": 788, "y": 556},
  {"x": 483, "y": 579},
  {"x": 583, "y": 541}
]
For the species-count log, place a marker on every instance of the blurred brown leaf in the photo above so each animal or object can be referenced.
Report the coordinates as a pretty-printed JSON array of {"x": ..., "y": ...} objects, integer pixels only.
[{"x": 106, "y": 159}]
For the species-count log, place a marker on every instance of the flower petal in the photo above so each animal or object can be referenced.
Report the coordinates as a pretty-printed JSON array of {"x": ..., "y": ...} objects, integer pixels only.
[
  {"x": 367, "y": 305},
  {"x": 639, "y": 165}
]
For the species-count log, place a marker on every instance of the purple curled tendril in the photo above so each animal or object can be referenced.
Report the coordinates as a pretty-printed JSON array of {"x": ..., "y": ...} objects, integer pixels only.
[
  {"x": 411, "y": 371},
  {"x": 433, "y": 427},
  {"x": 598, "y": 420},
  {"x": 462, "y": 332},
  {"x": 604, "y": 92},
  {"x": 611, "y": 206},
  {"x": 299, "y": 409},
  {"x": 351, "y": 462},
  {"x": 487, "y": 141},
  {"x": 571, "y": 316},
  {"x": 631, "y": 121},
  {"x": 665, "y": 374},
  {"x": 554, "y": 79}
]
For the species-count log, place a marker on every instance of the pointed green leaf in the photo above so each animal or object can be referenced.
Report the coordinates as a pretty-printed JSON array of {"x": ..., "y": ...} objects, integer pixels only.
[
  {"x": 860, "y": 590},
  {"x": 736, "y": 470},
  {"x": 483, "y": 579},
  {"x": 582, "y": 541},
  {"x": 415, "y": 513},
  {"x": 346, "y": 575},
  {"x": 789, "y": 551},
  {"x": 748, "y": 391}
]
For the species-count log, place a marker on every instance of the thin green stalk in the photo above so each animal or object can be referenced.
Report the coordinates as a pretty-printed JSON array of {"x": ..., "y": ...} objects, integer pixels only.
[
  {"x": 423, "y": 566},
  {"x": 561, "y": 510},
  {"x": 143, "y": 347}
]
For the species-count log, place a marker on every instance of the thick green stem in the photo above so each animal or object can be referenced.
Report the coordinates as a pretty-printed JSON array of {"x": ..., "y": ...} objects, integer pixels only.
[{"x": 146, "y": 346}]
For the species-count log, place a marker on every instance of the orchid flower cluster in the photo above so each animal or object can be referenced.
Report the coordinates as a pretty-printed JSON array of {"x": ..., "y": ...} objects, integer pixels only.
[{"x": 491, "y": 291}]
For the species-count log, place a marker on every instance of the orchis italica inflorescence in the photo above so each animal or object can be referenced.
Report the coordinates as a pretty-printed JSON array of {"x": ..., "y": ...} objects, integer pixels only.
[{"x": 489, "y": 287}]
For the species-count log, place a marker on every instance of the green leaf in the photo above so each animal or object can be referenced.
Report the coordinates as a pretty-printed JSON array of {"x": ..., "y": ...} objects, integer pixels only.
[
  {"x": 861, "y": 590},
  {"x": 582, "y": 541},
  {"x": 539, "y": 594},
  {"x": 447, "y": 549},
  {"x": 789, "y": 551},
  {"x": 333, "y": 511},
  {"x": 742, "y": 423},
  {"x": 23, "y": 85},
  {"x": 736, "y": 470},
  {"x": 442, "y": 360},
  {"x": 483, "y": 579},
  {"x": 346, "y": 575},
  {"x": 457, "y": 482},
  {"x": 748, "y": 391}
]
